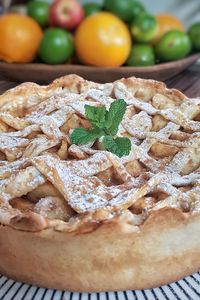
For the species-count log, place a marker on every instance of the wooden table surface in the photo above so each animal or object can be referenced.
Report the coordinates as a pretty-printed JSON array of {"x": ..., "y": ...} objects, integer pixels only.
[{"x": 188, "y": 82}]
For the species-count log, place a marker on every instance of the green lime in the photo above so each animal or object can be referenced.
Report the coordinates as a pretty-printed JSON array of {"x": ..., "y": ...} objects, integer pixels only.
[
  {"x": 126, "y": 10},
  {"x": 46, "y": 1},
  {"x": 91, "y": 8},
  {"x": 144, "y": 28},
  {"x": 194, "y": 34},
  {"x": 39, "y": 11},
  {"x": 141, "y": 56},
  {"x": 57, "y": 46},
  {"x": 137, "y": 9},
  {"x": 173, "y": 45}
]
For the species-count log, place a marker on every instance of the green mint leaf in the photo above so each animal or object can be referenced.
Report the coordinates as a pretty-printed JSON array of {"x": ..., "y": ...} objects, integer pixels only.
[
  {"x": 96, "y": 115},
  {"x": 120, "y": 146},
  {"x": 115, "y": 115},
  {"x": 81, "y": 136},
  {"x": 104, "y": 124}
]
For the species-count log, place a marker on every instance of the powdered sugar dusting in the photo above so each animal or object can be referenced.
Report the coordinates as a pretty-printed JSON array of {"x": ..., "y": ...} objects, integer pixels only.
[{"x": 29, "y": 150}]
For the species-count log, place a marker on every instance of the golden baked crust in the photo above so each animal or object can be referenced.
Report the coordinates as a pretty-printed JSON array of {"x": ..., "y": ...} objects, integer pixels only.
[
  {"x": 114, "y": 257},
  {"x": 81, "y": 219}
]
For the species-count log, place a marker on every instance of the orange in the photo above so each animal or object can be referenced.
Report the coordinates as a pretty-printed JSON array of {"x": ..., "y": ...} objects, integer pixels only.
[
  {"x": 103, "y": 40},
  {"x": 166, "y": 23},
  {"x": 20, "y": 38}
]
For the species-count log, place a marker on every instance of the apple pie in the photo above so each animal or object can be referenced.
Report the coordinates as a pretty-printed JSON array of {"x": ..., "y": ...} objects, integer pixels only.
[{"x": 78, "y": 217}]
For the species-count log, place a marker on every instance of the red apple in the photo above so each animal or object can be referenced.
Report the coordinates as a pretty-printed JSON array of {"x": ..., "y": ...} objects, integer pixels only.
[{"x": 66, "y": 14}]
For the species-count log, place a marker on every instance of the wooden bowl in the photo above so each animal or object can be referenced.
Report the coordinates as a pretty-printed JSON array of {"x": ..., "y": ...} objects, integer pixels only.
[{"x": 42, "y": 73}]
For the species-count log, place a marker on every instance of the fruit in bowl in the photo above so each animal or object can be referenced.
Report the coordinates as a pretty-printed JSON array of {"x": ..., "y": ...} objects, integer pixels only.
[
  {"x": 102, "y": 40},
  {"x": 144, "y": 28},
  {"x": 56, "y": 47},
  {"x": 167, "y": 22},
  {"x": 65, "y": 14},
  {"x": 91, "y": 8},
  {"x": 173, "y": 45},
  {"x": 194, "y": 34},
  {"x": 20, "y": 38},
  {"x": 114, "y": 34},
  {"x": 39, "y": 11},
  {"x": 141, "y": 55},
  {"x": 126, "y": 10}
]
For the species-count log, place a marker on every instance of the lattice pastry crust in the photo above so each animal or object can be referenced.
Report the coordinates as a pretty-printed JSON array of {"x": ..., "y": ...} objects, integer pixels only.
[{"x": 82, "y": 219}]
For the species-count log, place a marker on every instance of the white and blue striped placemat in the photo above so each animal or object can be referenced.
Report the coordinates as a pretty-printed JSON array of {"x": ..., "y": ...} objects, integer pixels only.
[{"x": 187, "y": 288}]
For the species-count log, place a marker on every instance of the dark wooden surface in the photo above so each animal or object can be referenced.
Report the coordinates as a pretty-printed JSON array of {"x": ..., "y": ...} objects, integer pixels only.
[{"x": 188, "y": 82}]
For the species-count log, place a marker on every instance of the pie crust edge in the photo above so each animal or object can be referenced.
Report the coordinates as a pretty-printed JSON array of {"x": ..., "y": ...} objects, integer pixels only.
[{"x": 114, "y": 256}]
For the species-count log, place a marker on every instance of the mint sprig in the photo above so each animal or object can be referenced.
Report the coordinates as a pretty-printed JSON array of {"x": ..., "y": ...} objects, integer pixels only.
[
  {"x": 82, "y": 136},
  {"x": 120, "y": 145},
  {"x": 105, "y": 125},
  {"x": 96, "y": 115},
  {"x": 115, "y": 115}
]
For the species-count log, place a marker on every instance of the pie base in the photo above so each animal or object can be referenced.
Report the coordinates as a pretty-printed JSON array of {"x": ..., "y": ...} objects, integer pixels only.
[{"x": 114, "y": 256}]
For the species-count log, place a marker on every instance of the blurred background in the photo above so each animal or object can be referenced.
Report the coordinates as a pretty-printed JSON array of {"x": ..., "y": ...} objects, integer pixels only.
[{"x": 187, "y": 10}]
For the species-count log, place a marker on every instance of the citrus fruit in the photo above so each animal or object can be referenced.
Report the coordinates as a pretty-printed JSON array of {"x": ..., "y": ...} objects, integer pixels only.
[
  {"x": 91, "y": 8},
  {"x": 136, "y": 10},
  {"x": 194, "y": 34},
  {"x": 141, "y": 55},
  {"x": 126, "y": 10},
  {"x": 20, "y": 38},
  {"x": 103, "y": 40},
  {"x": 45, "y": 1},
  {"x": 39, "y": 11},
  {"x": 144, "y": 28},
  {"x": 167, "y": 22},
  {"x": 56, "y": 47},
  {"x": 173, "y": 45}
]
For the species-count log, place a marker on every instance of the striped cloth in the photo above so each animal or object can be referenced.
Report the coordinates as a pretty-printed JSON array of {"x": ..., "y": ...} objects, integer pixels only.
[{"x": 187, "y": 288}]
